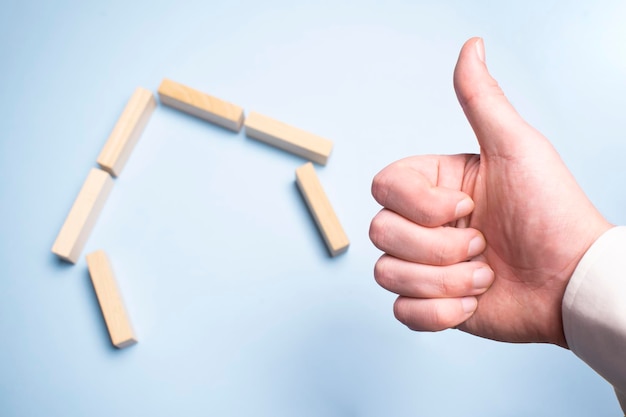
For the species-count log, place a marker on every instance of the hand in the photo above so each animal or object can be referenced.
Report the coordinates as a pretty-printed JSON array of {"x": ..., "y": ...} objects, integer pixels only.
[{"x": 485, "y": 243}]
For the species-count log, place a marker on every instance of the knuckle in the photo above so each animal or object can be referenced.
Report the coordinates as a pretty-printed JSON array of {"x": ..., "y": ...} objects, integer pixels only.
[
  {"x": 427, "y": 216},
  {"x": 431, "y": 315},
  {"x": 449, "y": 247},
  {"x": 443, "y": 284},
  {"x": 380, "y": 187},
  {"x": 440, "y": 318},
  {"x": 441, "y": 252},
  {"x": 399, "y": 311},
  {"x": 425, "y": 210},
  {"x": 451, "y": 282},
  {"x": 378, "y": 230},
  {"x": 382, "y": 273},
  {"x": 435, "y": 209}
]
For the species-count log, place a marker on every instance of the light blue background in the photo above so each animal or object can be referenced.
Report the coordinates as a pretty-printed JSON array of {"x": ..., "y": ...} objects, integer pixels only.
[{"x": 238, "y": 308}]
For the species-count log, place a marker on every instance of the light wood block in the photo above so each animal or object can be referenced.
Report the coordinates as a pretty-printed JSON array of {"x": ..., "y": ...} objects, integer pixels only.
[
  {"x": 201, "y": 105},
  {"x": 323, "y": 213},
  {"x": 83, "y": 215},
  {"x": 127, "y": 131},
  {"x": 110, "y": 300},
  {"x": 288, "y": 138}
]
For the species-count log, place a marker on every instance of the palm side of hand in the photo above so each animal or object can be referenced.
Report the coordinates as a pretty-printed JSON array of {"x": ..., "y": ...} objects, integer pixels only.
[{"x": 537, "y": 224}]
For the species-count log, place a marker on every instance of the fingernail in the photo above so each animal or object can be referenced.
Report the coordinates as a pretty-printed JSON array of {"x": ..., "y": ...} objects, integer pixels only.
[
  {"x": 482, "y": 278},
  {"x": 469, "y": 304},
  {"x": 480, "y": 49},
  {"x": 464, "y": 207},
  {"x": 476, "y": 246}
]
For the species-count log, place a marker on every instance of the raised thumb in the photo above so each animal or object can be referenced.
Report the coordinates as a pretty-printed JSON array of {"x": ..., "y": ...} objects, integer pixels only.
[{"x": 498, "y": 127}]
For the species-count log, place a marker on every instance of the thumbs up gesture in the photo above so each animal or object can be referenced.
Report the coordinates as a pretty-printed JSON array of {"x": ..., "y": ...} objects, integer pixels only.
[{"x": 484, "y": 243}]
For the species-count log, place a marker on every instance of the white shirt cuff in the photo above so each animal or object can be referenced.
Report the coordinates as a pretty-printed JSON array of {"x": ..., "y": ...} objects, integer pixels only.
[{"x": 594, "y": 309}]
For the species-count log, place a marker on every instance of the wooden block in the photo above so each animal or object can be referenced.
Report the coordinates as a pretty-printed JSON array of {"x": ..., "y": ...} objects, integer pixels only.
[
  {"x": 127, "y": 131},
  {"x": 288, "y": 138},
  {"x": 83, "y": 215},
  {"x": 201, "y": 105},
  {"x": 323, "y": 213},
  {"x": 110, "y": 300}
]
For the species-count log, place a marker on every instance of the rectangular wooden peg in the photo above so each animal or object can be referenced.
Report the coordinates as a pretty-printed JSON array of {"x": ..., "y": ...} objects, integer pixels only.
[
  {"x": 127, "y": 131},
  {"x": 110, "y": 300},
  {"x": 201, "y": 105},
  {"x": 83, "y": 215},
  {"x": 321, "y": 209},
  {"x": 288, "y": 138}
]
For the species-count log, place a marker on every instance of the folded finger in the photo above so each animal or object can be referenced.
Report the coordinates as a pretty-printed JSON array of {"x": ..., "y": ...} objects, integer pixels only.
[
  {"x": 403, "y": 188},
  {"x": 406, "y": 240},
  {"x": 427, "y": 281},
  {"x": 434, "y": 314}
]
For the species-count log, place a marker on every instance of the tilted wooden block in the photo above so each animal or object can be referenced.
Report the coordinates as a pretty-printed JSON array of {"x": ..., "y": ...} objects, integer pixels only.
[
  {"x": 201, "y": 105},
  {"x": 127, "y": 131},
  {"x": 110, "y": 300},
  {"x": 288, "y": 138},
  {"x": 323, "y": 213},
  {"x": 83, "y": 215}
]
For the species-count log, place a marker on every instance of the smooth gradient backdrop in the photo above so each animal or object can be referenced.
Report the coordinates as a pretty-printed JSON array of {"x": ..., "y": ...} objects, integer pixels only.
[{"x": 238, "y": 308}]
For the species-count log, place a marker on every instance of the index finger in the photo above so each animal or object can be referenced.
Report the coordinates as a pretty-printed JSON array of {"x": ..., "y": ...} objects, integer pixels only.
[{"x": 425, "y": 189}]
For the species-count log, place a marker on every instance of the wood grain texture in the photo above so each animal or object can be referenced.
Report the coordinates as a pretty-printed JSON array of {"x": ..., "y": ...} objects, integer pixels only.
[
  {"x": 201, "y": 105},
  {"x": 110, "y": 299},
  {"x": 288, "y": 138},
  {"x": 321, "y": 209},
  {"x": 127, "y": 131},
  {"x": 83, "y": 215}
]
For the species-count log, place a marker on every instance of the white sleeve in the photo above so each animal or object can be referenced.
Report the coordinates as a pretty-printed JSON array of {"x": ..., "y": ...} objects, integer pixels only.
[{"x": 594, "y": 309}]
